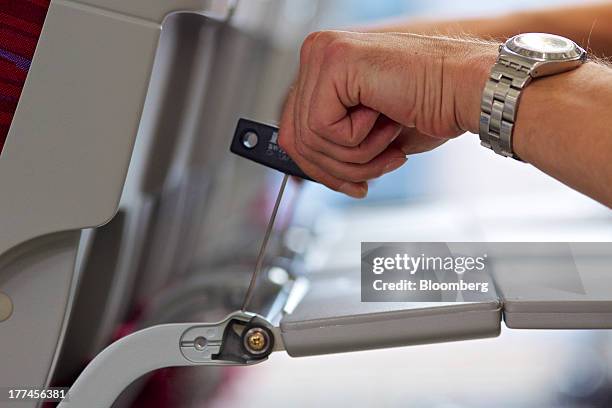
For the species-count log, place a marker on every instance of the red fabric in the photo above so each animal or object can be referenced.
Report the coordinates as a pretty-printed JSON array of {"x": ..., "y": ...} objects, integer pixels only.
[{"x": 21, "y": 23}]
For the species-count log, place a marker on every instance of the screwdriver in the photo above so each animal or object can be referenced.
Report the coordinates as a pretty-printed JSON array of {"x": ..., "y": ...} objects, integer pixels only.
[{"x": 259, "y": 142}]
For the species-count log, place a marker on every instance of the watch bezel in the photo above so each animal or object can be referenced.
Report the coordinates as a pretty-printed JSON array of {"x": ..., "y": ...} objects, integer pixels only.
[{"x": 576, "y": 53}]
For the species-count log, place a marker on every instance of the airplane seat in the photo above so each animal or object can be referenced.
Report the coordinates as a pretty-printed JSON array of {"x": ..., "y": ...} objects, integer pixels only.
[{"x": 68, "y": 220}]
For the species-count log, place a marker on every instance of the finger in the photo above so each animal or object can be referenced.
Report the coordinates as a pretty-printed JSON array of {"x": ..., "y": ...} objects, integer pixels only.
[
  {"x": 286, "y": 141},
  {"x": 389, "y": 160},
  {"x": 297, "y": 102},
  {"x": 384, "y": 132},
  {"x": 411, "y": 141},
  {"x": 310, "y": 63},
  {"x": 316, "y": 172},
  {"x": 286, "y": 126}
]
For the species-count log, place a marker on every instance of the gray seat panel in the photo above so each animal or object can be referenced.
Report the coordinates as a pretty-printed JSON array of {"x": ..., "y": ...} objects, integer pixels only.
[
  {"x": 558, "y": 286},
  {"x": 332, "y": 319}
]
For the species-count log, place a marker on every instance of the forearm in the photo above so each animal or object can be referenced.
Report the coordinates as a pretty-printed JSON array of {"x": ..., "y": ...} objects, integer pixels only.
[
  {"x": 563, "y": 125},
  {"x": 564, "y": 128},
  {"x": 589, "y": 25},
  {"x": 343, "y": 121}
]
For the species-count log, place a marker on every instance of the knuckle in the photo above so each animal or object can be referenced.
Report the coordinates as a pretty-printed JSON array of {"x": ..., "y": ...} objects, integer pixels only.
[
  {"x": 307, "y": 44},
  {"x": 325, "y": 178},
  {"x": 330, "y": 180},
  {"x": 333, "y": 186},
  {"x": 327, "y": 36},
  {"x": 318, "y": 40},
  {"x": 338, "y": 49},
  {"x": 311, "y": 37}
]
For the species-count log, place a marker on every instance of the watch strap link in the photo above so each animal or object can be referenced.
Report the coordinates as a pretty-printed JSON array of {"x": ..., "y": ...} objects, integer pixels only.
[{"x": 499, "y": 105}]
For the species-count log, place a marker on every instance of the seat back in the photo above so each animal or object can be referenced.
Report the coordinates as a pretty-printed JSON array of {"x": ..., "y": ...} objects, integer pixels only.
[{"x": 66, "y": 143}]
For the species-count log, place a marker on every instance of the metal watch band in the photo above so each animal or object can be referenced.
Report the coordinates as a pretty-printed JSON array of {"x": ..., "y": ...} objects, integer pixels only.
[{"x": 499, "y": 105}]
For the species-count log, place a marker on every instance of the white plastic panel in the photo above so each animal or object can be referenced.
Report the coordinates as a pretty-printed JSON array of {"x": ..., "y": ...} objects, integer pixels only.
[
  {"x": 157, "y": 10},
  {"x": 332, "y": 319},
  {"x": 68, "y": 150}
]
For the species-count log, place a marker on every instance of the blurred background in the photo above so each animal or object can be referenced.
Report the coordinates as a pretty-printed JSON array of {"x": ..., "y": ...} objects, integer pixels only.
[
  {"x": 459, "y": 192},
  {"x": 195, "y": 216}
]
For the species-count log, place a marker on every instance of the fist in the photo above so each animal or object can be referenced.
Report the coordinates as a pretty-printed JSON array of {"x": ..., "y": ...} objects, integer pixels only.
[{"x": 363, "y": 101}]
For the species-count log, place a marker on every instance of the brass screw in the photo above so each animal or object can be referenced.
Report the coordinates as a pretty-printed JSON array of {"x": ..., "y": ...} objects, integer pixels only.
[
  {"x": 256, "y": 341},
  {"x": 6, "y": 307}
]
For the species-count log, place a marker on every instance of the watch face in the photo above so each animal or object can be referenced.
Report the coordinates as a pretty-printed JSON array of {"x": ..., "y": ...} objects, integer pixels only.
[{"x": 544, "y": 46}]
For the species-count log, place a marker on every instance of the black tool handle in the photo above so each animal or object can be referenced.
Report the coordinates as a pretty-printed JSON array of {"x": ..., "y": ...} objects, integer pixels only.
[{"x": 258, "y": 142}]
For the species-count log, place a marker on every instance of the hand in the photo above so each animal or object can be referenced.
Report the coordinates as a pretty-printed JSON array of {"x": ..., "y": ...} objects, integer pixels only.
[{"x": 364, "y": 101}]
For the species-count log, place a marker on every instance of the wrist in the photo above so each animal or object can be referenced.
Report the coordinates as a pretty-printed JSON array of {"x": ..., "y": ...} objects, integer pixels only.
[
  {"x": 561, "y": 99},
  {"x": 473, "y": 70}
]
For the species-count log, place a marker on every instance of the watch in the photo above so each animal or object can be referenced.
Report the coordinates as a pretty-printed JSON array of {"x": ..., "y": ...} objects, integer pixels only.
[{"x": 521, "y": 58}]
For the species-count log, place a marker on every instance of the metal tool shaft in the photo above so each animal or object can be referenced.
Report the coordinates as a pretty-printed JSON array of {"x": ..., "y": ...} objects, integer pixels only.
[{"x": 264, "y": 245}]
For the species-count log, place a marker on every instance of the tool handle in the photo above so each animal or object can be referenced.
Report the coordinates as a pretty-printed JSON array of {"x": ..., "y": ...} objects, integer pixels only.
[{"x": 259, "y": 142}]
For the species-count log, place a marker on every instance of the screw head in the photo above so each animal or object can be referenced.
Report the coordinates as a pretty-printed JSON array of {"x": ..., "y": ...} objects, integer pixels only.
[
  {"x": 200, "y": 343},
  {"x": 257, "y": 341},
  {"x": 250, "y": 139},
  {"x": 6, "y": 307}
]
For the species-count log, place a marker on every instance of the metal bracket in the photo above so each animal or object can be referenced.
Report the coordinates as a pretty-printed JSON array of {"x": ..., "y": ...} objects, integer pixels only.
[{"x": 242, "y": 338}]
